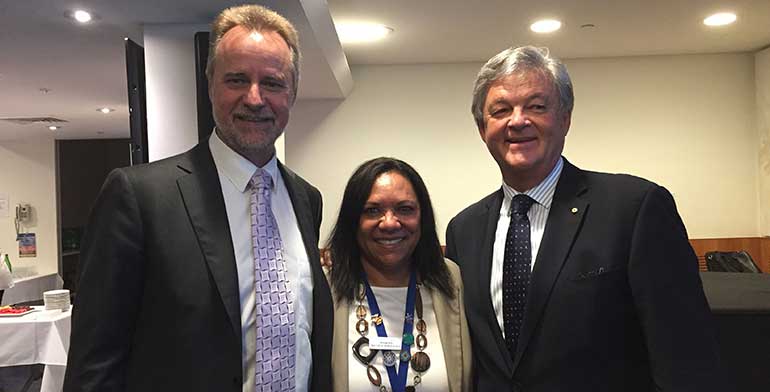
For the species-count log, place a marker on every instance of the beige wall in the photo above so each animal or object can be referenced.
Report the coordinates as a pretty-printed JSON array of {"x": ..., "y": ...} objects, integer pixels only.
[
  {"x": 28, "y": 176},
  {"x": 686, "y": 122},
  {"x": 762, "y": 78}
]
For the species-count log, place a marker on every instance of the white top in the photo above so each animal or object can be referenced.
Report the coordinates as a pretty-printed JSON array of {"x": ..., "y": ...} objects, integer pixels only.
[
  {"x": 235, "y": 171},
  {"x": 392, "y": 303},
  {"x": 538, "y": 214}
]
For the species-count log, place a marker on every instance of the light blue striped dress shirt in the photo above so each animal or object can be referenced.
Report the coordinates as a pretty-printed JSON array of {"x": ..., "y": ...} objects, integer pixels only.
[{"x": 538, "y": 214}]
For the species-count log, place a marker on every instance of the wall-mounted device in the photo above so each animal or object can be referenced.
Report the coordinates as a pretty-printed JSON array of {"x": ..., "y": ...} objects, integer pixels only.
[
  {"x": 23, "y": 216},
  {"x": 23, "y": 213}
]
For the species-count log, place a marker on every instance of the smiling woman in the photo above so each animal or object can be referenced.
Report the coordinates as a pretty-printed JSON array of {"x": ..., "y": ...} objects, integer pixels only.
[
  {"x": 388, "y": 230},
  {"x": 389, "y": 274}
]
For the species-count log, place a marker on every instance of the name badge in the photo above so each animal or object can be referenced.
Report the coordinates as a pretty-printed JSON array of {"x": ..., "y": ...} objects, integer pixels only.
[{"x": 380, "y": 343}]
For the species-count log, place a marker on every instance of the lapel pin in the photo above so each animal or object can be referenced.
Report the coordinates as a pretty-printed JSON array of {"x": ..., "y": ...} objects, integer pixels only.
[{"x": 574, "y": 210}]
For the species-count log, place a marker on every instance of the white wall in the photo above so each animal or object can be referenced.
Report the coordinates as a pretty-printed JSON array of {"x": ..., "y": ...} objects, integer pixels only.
[
  {"x": 762, "y": 80},
  {"x": 172, "y": 122},
  {"x": 418, "y": 113},
  {"x": 28, "y": 176},
  {"x": 686, "y": 122}
]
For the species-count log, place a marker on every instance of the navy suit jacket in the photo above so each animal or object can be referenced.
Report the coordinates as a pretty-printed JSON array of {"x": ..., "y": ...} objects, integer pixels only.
[
  {"x": 158, "y": 302},
  {"x": 615, "y": 300}
]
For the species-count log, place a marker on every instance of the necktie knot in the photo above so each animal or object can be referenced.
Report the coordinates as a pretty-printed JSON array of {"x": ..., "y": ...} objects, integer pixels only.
[
  {"x": 520, "y": 205},
  {"x": 261, "y": 180}
]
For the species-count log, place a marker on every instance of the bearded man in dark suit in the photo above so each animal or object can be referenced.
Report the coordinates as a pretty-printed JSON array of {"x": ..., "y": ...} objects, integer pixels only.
[
  {"x": 575, "y": 280},
  {"x": 201, "y": 272}
]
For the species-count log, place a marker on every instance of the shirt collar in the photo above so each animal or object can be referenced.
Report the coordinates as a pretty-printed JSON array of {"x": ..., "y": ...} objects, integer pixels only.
[
  {"x": 542, "y": 193},
  {"x": 237, "y": 169}
]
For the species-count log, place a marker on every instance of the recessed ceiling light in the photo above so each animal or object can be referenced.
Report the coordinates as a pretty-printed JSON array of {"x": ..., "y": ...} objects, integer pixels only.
[
  {"x": 105, "y": 110},
  {"x": 53, "y": 127},
  {"x": 351, "y": 33},
  {"x": 545, "y": 26},
  {"x": 720, "y": 19},
  {"x": 82, "y": 16}
]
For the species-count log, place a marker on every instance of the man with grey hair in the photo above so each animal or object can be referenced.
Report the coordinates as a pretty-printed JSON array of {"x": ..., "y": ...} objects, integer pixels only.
[
  {"x": 575, "y": 280},
  {"x": 201, "y": 272}
]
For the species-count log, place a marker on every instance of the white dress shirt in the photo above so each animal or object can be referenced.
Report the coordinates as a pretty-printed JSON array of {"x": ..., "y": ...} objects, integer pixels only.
[
  {"x": 235, "y": 171},
  {"x": 538, "y": 214}
]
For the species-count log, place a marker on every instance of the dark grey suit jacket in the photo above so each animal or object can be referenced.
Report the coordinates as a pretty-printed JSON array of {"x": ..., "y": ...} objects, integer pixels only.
[
  {"x": 615, "y": 302},
  {"x": 158, "y": 305}
]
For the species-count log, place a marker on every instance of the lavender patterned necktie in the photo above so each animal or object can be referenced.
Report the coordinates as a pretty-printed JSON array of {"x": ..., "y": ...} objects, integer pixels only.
[{"x": 274, "y": 300}]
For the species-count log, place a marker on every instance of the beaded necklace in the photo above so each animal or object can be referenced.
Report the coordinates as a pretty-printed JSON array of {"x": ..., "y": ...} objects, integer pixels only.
[{"x": 420, "y": 361}]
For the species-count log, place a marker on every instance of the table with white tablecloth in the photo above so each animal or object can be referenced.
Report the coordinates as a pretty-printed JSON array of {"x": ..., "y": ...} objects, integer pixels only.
[
  {"x": 31, "y": 288},
  {"x": 41, "y": 337}
]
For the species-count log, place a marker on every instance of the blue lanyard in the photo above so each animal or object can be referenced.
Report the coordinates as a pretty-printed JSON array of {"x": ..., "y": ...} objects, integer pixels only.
[{"x": 397, "y": 380}]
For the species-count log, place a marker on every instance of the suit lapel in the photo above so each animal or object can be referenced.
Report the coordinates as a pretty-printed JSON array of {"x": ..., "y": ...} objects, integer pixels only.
[
  {"x": 340, "y": 350},
  {"x": 308, "y": 228},
  {"x": 202, "y": 196},
  {"x": 563, "y": 224},
  {"x": 302, "y": 210},
  {"x": 447, "y": 314},
  {"x": 308, "y": 213},
  {"x": 487, "y": 249}
]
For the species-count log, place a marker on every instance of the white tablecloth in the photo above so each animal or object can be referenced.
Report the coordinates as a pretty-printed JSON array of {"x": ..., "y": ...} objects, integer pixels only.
[
  {"x": 41, "y": 337},
  {"x": 31, "y": 288}
]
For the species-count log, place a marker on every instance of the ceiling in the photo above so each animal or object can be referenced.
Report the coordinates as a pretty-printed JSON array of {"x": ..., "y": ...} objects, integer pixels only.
[
  {"x": 446, "y": 31},
  {"x": 83, "y": 67}
]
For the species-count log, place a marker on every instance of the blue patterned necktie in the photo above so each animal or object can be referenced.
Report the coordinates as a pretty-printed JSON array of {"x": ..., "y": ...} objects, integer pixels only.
[
  {"x": 274, "y": 306},
  {"x": 516, "y": 270}
]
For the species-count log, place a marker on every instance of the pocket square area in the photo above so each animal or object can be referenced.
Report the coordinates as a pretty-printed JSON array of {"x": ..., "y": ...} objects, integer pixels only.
[{"x": 596, "y": 272}]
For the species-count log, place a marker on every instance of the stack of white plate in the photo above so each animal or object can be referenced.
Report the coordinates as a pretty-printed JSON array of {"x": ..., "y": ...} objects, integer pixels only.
[{"x": 57, "y": 299}]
